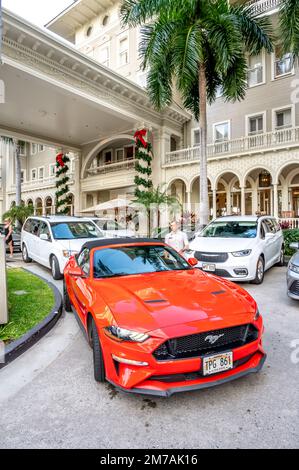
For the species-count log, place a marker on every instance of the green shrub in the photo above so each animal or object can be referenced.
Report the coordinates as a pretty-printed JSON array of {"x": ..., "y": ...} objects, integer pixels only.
[{"x": 290, "y": 236}]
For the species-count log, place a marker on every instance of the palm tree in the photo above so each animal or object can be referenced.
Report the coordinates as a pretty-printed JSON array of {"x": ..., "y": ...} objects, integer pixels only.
[
  {"x": 197, "y": 46},
  {"x": 289, "y": 26},
  {"x": 15, "y": 144}
]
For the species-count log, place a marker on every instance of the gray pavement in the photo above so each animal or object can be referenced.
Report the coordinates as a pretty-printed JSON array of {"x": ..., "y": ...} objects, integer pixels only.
[{"x": 48, "y": 397}]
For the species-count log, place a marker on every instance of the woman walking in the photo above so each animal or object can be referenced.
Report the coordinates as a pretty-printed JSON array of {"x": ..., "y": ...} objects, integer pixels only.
[{"x": 8, "y": 236}]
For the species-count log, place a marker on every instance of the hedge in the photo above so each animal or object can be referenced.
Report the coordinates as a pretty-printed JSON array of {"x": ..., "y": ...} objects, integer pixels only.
[{"x": 290, "y": 236}]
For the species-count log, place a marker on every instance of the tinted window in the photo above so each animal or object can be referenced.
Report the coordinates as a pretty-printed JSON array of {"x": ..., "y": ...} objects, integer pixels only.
[
  {"x": 122, "y": 261},
  {"x": 45, "y": 230},
  {"x": 27, "y": 225},
  {"x": 84, "y": 261},
  {"x": 269, "y": 223},
  {"x": 234, "y": 229},
  {"x": 34, "y": 227},
  {"x": 72, "y": 230}
]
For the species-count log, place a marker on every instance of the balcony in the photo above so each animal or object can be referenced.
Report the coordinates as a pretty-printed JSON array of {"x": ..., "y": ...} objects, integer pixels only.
[
  {"x": 42, "y": 183},
  {"x": 109, "y": 176},
  {"x": 112, "y": 167},
  {"x": 263, "y": 6},
  {"x": 275, "y": 140}
]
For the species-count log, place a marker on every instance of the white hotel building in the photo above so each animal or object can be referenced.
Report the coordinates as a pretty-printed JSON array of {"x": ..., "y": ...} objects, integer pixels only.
[{"x": 76, "y": 85}]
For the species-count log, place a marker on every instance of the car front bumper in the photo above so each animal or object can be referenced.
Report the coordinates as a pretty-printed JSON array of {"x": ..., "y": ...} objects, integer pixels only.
[
  {"x": 165, "y": 377},
  {"x": 293, "y": 284},
  {"x": 240, "y": 269}
]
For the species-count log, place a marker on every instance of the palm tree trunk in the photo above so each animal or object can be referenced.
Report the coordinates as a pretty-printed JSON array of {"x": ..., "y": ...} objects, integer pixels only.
[
  {"x": 203, "y": 183},
  {"x": 18, "y": 172}
]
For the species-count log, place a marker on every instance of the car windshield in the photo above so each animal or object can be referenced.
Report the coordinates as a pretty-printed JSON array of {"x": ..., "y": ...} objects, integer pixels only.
[
  {"x": 73, "y": 230},
  {"x": 128, "y": 260},
  {"x": 108, "y": 225},
  {"x": 233, "y": 229}
]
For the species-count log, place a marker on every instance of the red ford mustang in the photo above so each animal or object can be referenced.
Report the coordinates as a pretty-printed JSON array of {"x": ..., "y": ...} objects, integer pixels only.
[{"x": 156, "y": 324}]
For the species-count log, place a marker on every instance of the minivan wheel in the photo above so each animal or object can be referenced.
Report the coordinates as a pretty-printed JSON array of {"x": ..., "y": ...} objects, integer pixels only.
[
  {"x": 260, "y": 271},
  {"x": 98, "y": 361},
  {"x": 25, "y": 256},
  {"x": 56, "y": 274}
]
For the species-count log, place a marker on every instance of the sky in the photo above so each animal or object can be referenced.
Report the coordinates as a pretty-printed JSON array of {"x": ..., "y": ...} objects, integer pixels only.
[{"x": 38, "y": 12}]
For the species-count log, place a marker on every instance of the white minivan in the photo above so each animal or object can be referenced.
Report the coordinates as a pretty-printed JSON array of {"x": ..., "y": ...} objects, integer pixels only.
[
  {"x": 239, "y": 248},
  {"x": 50, "y": 241}
]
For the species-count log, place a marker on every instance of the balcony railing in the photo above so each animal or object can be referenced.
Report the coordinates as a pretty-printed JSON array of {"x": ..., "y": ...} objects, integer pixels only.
[
  {"x": 281, "y": 138},
  {"x": 41, "y": 183},
  {"x": 262, "y": 6},
  {"x": 112, "y": 167}
]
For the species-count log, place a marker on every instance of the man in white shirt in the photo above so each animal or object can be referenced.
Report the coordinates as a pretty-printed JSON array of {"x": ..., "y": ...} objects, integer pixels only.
[{"x": 177, "y": 239}]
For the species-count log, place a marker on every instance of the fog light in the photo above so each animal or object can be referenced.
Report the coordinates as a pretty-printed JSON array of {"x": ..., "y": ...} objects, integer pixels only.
[
  {"x": 241, "y": 272},
  {"x": 130, "y": 362}
]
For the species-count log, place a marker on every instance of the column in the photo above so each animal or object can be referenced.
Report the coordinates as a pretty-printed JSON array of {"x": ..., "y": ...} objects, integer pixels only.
[
  {"x": 228, "y": 203},
  {"x": 214, "y": 203},
  {"x": 188, "y": 201},
  {"x": 77, "y": 185},
  {"x": 275, "y": 200},
  {"x": 243, "y": 209}
]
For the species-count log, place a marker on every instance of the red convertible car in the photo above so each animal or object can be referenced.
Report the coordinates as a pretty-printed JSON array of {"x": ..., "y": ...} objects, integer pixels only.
[{"x": 156, "y": 324}]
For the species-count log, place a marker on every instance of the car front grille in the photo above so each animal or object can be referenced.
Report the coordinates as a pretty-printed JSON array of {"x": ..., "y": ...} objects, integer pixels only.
[
  {"x": 208, "y": 342},
  {"x": 211, "y": 257},
  {"x": 294, "y": 289}
]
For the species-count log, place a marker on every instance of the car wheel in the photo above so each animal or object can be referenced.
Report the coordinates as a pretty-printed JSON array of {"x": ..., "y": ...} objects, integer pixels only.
[
  {"x": 66, "y": 299},
  {"x": 281, "y": 258},
  {"x": 56, "y": 274},
  {"x": 260, "y": 271},
  {"x": 98, "y": 361},
  {"x": 25, "y": 256}
]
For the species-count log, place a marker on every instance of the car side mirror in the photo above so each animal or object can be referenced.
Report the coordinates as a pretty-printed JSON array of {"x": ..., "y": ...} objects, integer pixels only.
[
  {"x": 76, "y": 271},
  {"x": 193, "y": 262},
  {"x": 44, "y": 236},
  {"x": 294, "y": 246},
  {"x": 269, "y": 235}
]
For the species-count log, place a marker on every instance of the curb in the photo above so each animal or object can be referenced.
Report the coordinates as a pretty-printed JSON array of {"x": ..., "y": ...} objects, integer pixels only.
[{"x": 22, "y": 344}]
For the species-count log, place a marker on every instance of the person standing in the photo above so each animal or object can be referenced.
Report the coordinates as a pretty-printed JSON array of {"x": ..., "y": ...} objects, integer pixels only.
[
  {"x": 177, "y": 239},
  {"x": 8, "y": 235}
]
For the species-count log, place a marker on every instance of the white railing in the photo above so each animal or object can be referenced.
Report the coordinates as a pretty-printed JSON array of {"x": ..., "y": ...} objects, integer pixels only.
[
  {"x": 261, "y": 6},
  {"x": 112, "y": 167},
  {"x": 41, "y": 183},
  {"x": 291, "y": 223},
  {"x": 254, "y": 143}
]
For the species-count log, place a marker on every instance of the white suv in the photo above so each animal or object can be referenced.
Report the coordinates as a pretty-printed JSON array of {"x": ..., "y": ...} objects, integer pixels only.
[
  {"x": 50, "y": 241},
  {"x": 239, "y": 248}
]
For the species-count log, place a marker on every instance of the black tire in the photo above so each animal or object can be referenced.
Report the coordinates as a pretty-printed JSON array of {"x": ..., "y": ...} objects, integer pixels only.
[
  {"x": 260, "y": 271},
  {"x": 56, "y": 274},
  {"x": 66, "y": 300},
  {"x": 98, "y": 361},
  {"x": 281, "y": 257},
  {"x": 25, "y": 256}
]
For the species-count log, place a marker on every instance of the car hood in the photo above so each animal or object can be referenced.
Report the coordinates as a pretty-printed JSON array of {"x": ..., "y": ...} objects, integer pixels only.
[
  {"x": 295, "y": 259},
  {"x": 219, "y": 245},
  {"x": 75, "y": 244},
  {"x": 159, "y": 300}
]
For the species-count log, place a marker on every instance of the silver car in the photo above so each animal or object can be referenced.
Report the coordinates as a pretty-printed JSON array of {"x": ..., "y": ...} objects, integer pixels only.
[{"x": 293, "y": 273}]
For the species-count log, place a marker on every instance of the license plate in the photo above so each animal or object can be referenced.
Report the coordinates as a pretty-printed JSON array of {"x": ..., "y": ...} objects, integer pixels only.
[
  {"x": 208, "y": 267},
  {"x": 217, "y": 363}
]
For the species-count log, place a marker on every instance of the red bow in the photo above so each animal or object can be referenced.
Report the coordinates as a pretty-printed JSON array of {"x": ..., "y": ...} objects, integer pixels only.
[
  {"x": 139, "y": 135},
  {"x": 59, "y": 159}
]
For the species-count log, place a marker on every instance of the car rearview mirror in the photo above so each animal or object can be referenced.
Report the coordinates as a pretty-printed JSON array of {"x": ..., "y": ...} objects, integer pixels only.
[
  {"x": 193, "y": 262},
  {"x": 294, "y": 246}
]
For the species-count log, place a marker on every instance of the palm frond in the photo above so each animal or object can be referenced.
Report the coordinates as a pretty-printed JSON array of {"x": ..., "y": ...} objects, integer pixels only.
[
  {"x": 137, "y": 12},
  {"x": 234, "y": 82},
  {"x": 289, "y": 26}
]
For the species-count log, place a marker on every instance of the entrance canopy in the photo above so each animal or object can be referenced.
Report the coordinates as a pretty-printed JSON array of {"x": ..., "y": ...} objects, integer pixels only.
[
  {"x": 57, "y": 95},
  {"x": 117, "y": 203}
]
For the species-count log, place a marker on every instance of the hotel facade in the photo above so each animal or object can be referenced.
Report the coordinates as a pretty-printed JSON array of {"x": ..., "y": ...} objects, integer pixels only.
[{"x": 76, "y": 86}]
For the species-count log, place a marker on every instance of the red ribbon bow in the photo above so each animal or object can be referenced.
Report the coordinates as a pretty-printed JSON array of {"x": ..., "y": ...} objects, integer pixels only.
[
  {"x": 59, "y": 159},
  {"x": 139, "y": 136}
]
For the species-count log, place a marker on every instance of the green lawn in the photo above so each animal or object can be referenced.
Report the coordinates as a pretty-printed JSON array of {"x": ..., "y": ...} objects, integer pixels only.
[{"x": 29, "y": 308}]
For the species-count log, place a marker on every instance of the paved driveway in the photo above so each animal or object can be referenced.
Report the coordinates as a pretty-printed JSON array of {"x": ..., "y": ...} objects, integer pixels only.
[{"x": 48, "y": 397}]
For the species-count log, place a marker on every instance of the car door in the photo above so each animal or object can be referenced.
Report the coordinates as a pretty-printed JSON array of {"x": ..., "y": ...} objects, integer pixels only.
[
  {"x": 44, "y": 244},
  {"x": 82, "y": 295},
  {"x": 270, "y": 242},
  {"x": 31, "y": 239}
]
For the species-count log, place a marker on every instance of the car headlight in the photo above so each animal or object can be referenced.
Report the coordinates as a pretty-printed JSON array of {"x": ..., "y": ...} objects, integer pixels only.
[
  {"x": 69, "y": 253},
  {"x": 121, "y": 334},
  {"x": 241, "y": 253},
  {"x": 294, "y": 268}
]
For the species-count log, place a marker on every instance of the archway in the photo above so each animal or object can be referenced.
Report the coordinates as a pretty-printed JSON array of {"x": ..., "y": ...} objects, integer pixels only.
[
  {"x": 48, "y": 206},
  {"x": 38, "y": 206},
  {"x": 260, "y": 181},
  {"x": 288, "y": 191}
]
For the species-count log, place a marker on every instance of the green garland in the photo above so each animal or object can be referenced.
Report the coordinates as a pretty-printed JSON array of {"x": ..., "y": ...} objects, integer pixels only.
[
  {"x": 62, "y": 184},
  {"x": 143, "y": 165}
]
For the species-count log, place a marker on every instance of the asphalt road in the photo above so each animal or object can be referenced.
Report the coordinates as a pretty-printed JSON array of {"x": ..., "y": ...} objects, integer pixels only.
[{"x": 48, "y": 397}]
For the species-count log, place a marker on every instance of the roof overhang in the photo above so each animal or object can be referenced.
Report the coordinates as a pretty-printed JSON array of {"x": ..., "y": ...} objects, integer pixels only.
[{"x": 56, "y": 93}]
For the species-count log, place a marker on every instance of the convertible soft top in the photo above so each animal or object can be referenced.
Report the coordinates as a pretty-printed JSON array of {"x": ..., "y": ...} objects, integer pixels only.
[{"x": 100, "y": 242}]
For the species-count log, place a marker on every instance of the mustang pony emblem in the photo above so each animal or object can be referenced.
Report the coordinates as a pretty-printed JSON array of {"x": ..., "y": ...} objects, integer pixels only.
[{"x": 213, "y": 338}]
